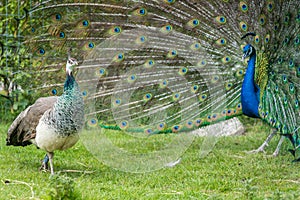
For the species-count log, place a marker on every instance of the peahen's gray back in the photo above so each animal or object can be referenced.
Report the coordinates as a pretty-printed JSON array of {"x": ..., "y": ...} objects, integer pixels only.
[{"x": 23, "y": 129}]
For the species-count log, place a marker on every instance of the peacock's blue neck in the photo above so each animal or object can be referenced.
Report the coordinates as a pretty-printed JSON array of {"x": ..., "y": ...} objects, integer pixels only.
[{"x": 250, "y": 96}]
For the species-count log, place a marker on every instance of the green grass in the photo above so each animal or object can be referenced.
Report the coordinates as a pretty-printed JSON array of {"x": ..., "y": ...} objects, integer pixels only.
[{"x": 226, "y": 173}]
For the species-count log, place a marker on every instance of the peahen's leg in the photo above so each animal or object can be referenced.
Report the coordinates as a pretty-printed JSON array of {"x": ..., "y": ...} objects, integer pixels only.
[
  {"x": 276, "y": 152},
  {"x": 266, "y": 143},
  {"x": 45, "y": 163},
  {"x": 50, "y": 155}
]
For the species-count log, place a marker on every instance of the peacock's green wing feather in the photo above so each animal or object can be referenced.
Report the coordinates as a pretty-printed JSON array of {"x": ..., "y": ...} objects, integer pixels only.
[
  {"x": 280, "y": 97},
  {"x": 168, "y": 65}
]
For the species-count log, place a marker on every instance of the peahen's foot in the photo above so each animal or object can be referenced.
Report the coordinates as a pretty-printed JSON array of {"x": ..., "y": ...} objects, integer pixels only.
[{"x": 44, "y": 166}]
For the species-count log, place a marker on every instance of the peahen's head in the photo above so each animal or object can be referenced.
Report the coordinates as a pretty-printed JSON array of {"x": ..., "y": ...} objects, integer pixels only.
[
  {"x": 70, "y": 65},
  {"x": 248, "y": 51}
]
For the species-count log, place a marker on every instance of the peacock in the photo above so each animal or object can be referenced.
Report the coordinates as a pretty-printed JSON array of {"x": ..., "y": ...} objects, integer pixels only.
[
  {"x": 51, "y": 123},
  {"x": 171, "y": 66}
]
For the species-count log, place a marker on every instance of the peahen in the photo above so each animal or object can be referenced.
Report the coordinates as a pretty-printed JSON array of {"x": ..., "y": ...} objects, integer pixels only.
[
  {"x": 51, "y": 123},
  {"x": 162, "y": 66}
]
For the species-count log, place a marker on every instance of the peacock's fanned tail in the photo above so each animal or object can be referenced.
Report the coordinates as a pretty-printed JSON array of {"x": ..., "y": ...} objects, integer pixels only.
[{"x": 169, "y": 65}]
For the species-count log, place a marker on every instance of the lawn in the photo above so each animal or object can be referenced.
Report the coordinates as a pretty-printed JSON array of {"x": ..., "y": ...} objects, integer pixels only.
[{"x": 228, "y": 172}]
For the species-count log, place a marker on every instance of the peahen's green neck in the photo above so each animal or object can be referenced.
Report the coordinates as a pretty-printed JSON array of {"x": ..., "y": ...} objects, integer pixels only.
[
  {"x": 70, "y": 83},
  {"x": 250, "y": 91},
  {"x": 68, "y": 111}
]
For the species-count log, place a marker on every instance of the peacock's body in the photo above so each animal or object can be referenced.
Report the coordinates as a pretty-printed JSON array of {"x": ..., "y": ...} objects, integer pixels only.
[
  {"x": 161, "y": 66},
  {"x": 51, "y": 123}
]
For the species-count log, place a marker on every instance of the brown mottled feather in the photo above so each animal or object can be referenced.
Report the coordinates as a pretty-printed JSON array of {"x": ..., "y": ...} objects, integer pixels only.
[{"x": 23, "y": 129}]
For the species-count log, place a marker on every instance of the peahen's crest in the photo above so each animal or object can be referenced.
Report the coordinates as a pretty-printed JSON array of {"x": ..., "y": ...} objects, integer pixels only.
[{"x": 163, "y": 66}]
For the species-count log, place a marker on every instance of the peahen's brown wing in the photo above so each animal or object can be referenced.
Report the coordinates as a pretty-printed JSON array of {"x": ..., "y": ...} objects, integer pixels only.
[{"x": 23, "y": 129}]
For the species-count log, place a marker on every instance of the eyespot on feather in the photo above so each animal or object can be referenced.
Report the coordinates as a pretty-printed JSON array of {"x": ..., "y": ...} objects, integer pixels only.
[
  {"x": 228, "y": 86},
  {"x": 119, "y": 57},
  {"x": 221, "y": 42},
  {"x": 57, "y": 17},
  {"x": 132, "y": 78},
  {"x": 161, "y": 126},
  {"x": 215, "y": 79},
  {"x": 149, "y": 131},
  {"x": 117, "y": 102},
  {"x": 54, "y": 92},
  {"x": 93, "y": 122},
  {"x": 182, "y": 71},
  {"x": 102, "y": 72},
  {"x": 243, "y": 26},
  {"x": 202, "y": 97},
  {"x": 147, "y": 97},
  {"x": 262, "y": 20},
  {"x": 176, "y": 128},
  {"x": 196, "y": 46},
  {"x": 220, "y": 20},
  {"x": 124, "y": 125},
  {"x": 189, "y": 124},
  {"x": 267, "y": 38},
  {"x": 198, "y": 122},
  {"x": 172, "y": 53},
  {"x": 243, "y": 6},
  {"x": 193, "y": 23},
  {"x": 163, "y": 84},
  {"x": 149, "y": 63},
  {"x": 226, "y": 59},
  {"x": 270, "y": 6},
  {"x": 166, "y": 29},
  {"x": 194, "y": 89},
  {"x": 115, "y": 30},
  {"x": 170, "y": 1},
  {"x": 140, "y": 12},
  {"x": 257, "y": 39},
  {"x": 176, "y": 97},
  {"x": 239, "y": 73},
  {"x": 202, "y": 63},
  {"x": 141, "y": 40}
]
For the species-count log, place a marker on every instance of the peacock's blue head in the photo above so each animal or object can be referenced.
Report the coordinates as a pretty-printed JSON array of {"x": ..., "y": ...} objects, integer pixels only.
[
  {"x": 248, "y": 51},
  {"x": 70, "y": 65}
]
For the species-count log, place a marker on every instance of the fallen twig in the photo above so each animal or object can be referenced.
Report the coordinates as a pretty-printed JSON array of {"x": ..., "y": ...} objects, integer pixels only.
[
  {"x": 76, "y": 171},
  {"x": 7, "y": 182},
  {"x": 290, "y": 181}
]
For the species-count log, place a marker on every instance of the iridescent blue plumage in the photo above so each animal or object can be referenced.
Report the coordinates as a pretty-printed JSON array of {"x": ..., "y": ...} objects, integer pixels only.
[{"x": 250, "y": 94}]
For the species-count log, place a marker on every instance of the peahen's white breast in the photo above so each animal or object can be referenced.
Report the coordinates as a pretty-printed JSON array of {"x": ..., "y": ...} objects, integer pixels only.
[
  {"x": 59, "y": 126},
  {"x": 49, "y": 139}
]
